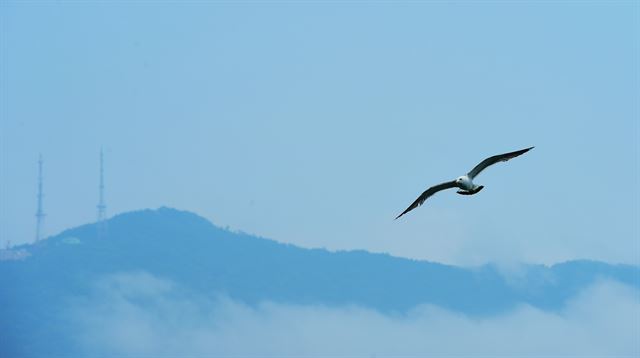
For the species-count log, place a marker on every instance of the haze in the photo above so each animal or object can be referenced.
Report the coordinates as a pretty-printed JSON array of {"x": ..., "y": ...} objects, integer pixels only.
[{"x": 317, "y": 123}]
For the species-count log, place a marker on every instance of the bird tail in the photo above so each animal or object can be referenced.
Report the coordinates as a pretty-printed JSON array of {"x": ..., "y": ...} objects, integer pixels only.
[{"x": 475, "y": 190}]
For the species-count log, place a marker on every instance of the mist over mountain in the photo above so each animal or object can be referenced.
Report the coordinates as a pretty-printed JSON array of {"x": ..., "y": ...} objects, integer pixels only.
[{"x": 42, "y": 281}]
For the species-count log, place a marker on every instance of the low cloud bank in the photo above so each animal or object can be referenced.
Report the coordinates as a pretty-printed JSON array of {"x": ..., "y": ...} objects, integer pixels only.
[{"x": 142, "y": 315}]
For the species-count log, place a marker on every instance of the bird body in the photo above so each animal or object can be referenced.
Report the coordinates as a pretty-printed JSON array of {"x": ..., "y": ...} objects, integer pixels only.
[{"x": 465, "y": 182}]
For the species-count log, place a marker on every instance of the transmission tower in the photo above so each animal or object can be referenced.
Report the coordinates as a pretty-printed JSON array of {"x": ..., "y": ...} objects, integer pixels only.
[
  {"x": 40, "y": 213},
  {"x": 102, "y": 207}
]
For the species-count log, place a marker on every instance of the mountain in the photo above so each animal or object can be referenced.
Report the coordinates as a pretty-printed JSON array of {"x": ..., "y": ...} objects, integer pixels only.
[{"x": 38, "y": 281}]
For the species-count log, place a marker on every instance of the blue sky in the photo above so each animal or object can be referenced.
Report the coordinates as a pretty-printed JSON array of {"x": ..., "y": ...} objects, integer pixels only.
[{"x": 317, "y": 123}]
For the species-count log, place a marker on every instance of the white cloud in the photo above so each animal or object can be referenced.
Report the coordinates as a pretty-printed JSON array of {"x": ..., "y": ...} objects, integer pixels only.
[{"x": 139, "y": 314}]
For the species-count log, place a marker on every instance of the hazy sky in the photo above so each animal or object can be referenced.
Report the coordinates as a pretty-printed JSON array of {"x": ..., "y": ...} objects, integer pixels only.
[{"x": 317, "y": 123}]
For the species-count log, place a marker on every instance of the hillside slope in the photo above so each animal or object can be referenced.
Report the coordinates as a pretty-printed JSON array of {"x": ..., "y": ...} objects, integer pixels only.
[{"x": 187, "y": 249}]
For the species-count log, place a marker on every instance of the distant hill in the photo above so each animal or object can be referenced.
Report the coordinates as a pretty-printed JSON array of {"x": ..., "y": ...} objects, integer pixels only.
[{"x": 38, "y": 279}]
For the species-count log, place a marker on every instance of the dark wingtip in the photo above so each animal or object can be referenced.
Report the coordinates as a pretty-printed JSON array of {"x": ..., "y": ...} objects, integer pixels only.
[
  {"x": 522, "y": 151},
  {"x": 404, "y": 212}
]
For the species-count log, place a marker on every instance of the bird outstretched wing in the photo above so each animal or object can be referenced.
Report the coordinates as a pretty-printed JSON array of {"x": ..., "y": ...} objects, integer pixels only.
[
  {"x": 434, "y": 189},
  {"x": 495, "y": 159}
]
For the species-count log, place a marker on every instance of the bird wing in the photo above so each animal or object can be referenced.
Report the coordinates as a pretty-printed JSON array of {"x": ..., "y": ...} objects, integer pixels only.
[
  {"x": 495, "y": 159},
  {"x": 434, "y": 189}
]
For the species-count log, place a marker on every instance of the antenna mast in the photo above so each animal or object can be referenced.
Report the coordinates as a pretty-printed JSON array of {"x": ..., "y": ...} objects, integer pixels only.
[
  {"x": 102, "y": 207},
  {"x": 40, "y": 213}
]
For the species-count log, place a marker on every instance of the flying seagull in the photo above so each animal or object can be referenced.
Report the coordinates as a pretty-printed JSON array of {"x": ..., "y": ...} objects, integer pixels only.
[{"x": 465, "y": 182}]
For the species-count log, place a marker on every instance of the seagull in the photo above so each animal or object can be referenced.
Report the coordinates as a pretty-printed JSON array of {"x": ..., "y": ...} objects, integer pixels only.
[{"x": 465, "y": 182}]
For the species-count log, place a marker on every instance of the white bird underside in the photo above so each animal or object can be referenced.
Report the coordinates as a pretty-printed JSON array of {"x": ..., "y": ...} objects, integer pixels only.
[{"x": 465, "y": 182}]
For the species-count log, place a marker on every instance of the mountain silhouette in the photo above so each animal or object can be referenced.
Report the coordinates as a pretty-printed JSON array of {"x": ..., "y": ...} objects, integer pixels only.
[{"x": 38, "y": 280}]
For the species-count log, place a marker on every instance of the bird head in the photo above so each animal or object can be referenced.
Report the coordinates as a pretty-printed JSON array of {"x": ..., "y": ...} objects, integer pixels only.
[{"x": 463, "y": 181}]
